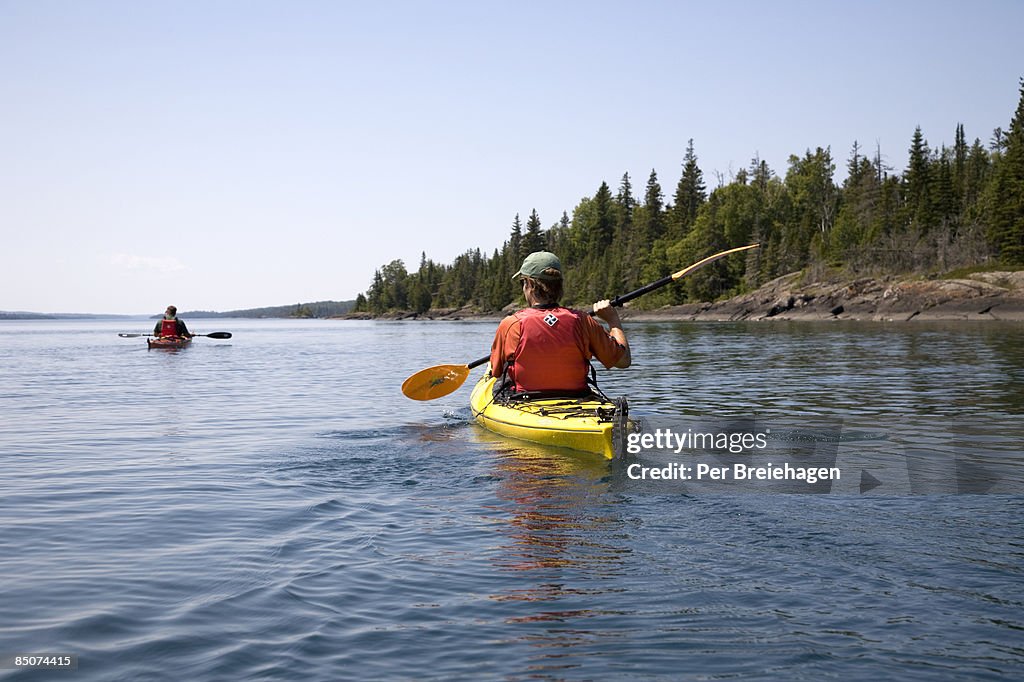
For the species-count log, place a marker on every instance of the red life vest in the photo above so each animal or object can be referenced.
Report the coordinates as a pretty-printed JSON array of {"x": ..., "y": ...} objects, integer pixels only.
[
  {"x": 168, "y": 328},
  {"x": 552, "y": 354}
]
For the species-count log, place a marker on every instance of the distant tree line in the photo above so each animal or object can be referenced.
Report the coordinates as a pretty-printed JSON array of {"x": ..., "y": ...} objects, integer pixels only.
[
  {"x": 318, "y": 309},
  {"x": 950, "y": 208}
]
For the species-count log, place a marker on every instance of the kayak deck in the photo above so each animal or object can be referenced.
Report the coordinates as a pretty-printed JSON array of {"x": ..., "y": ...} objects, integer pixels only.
[
  {"x": 584, "y": 424},
  {"x": 168, "y": 341}
]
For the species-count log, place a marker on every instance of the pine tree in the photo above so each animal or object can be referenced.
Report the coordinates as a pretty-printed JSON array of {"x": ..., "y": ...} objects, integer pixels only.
[
  {"x": 375, "y": 295},
  {"x": 626, "y": 203},
  {"x": 690, "y": 194},
  {"x": 515, "y": 242},
  {"x": 766, "y": 189},
  {"x": 654, "y": 204},
  {"x": 1006, "y": 193},
  {"x": 534, "y": 239},
  {"x": 960, "y": 153},
  {"x": 602, "y": 229},
  {"x": 943, "y": 193},
  {"x": 976, "y": 176},
  {"x": 917, "y": 181}
]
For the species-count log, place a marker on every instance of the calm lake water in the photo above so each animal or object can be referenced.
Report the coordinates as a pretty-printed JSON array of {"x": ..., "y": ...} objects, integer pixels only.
[{"x": 272, "y": 507}]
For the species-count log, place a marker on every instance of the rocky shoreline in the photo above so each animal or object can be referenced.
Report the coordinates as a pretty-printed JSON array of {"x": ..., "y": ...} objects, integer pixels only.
[{"x": 979, "y": 296}]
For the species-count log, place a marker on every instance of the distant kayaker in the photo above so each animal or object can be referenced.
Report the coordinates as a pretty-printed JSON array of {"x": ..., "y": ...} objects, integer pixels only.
[
  {"x": 547, "y": 348},
  {"x": 170, "y": 325}
]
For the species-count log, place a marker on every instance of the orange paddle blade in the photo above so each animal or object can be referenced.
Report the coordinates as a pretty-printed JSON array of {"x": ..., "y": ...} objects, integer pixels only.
[{"x": 435, "y": 382}]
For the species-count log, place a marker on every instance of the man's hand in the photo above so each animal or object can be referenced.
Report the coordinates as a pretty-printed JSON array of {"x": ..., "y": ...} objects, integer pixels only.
[{"x": 607, "y": 312}]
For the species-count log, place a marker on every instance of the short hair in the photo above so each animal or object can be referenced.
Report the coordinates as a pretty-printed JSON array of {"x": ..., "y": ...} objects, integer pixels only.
[{"x": 548, "y": 291}]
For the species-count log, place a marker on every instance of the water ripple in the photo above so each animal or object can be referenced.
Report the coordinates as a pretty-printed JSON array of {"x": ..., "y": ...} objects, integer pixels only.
[{"x": 295, "y": 518}]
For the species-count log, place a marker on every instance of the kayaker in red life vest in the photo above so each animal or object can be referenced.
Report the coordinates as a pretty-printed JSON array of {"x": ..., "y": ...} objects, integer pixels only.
[
  {"x": 171, "y": 325},
  {"x": 547, "y": 348}
]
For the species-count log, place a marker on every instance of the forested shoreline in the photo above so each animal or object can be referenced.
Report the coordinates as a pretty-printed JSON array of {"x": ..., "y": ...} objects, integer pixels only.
[{"x": 951, "y": 208}]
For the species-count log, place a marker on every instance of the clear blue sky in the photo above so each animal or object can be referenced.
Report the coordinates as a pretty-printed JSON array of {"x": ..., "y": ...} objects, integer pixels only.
[{"x": 225, "y": 154}]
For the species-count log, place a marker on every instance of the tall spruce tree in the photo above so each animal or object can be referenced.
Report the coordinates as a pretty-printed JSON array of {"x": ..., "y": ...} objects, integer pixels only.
[
  {"x": 1006, "y": 193},
  {"x": 602, "y": 230},
  {"x": 690, "y": 195},
  {"x": 960, "y": 153},
  {"x": 533, "y": 239},
  {"x": 917, "y": 183},
  {"x": 654, "y": 214},
  {"x": 515, "y": 241},
  {"x": 626, "y": 203}
]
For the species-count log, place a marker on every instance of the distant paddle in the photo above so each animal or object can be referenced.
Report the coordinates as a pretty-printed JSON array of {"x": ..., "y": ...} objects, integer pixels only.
[
  {"x": 214, "y": 335},
  {"x": 438, "y": 381}
]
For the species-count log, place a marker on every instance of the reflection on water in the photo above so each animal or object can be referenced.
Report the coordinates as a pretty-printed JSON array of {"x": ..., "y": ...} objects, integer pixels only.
[
  {"x": 862, "y": 370},
  {"x": 559, "y": 542},
  {"x": 551, "y": 513}
]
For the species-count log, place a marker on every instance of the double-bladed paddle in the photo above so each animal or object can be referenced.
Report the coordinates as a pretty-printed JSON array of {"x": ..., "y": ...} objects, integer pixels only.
[
  {"x": 440, "y": 380},
  {"x": 214, "y": 335}
]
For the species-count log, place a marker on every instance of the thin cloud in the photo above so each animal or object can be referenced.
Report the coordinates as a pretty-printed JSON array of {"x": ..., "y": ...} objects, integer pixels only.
[{"x": 163, "y": 264}]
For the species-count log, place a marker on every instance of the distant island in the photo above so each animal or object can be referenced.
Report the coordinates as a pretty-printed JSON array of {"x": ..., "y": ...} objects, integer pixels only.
[
  {"x": 25, "y": 315},
  {"x": 319, "y": 309}
]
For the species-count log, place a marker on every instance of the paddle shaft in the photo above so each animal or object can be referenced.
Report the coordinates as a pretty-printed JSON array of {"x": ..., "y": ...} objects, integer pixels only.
[{"x": 212, "y": 335}]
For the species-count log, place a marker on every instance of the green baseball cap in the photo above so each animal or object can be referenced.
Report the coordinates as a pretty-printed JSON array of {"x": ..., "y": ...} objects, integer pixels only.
[{"x": 536, "y": 263}]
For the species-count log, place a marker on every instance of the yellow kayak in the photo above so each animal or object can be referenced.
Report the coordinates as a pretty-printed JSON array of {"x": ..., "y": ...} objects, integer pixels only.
[{"x": 576, "y": 423}]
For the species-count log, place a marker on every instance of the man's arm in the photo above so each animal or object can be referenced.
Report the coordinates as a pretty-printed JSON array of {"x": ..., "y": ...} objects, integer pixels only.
[{"x": 607, "y": 312}]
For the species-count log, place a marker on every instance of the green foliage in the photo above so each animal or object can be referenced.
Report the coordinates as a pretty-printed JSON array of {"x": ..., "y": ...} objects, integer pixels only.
[
  {"x": 534, "y": 239},
  {"x": 1006, "y": 193},
  {"x": 689, "y": 197},
  {"x": 950, "y": 208}
]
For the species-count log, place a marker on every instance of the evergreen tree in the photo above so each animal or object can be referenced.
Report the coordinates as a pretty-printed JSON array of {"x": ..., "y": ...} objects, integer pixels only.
[
  {"x": 767, "y": 192},
  {"x": 602, "y": 228},
  {"x": 653, "y": 226},
  {"x": 943, "y": 193},
  {"x": 690, "y": 194},
  {"x": 857, "y": 211},
  {"x": 960, "y": 154},
  {"x": 375, "y": 296},
  {"x": 499, "y": 283},
  {"x": 917, "y": 184},
  {"x": 1006, "y": 193},
  {"x": 515, "y": 242},
  {"x": 760, "y": 173},
  {"x": 626, "y": 203},
  {"x": 976, "y": 176},
  {"x": 559, "y": 240},
  {"x": 534, "y": 239}
]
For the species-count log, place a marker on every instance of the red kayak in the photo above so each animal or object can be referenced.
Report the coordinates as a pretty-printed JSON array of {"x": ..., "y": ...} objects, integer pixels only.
[{"x": 168, "y": 341}]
